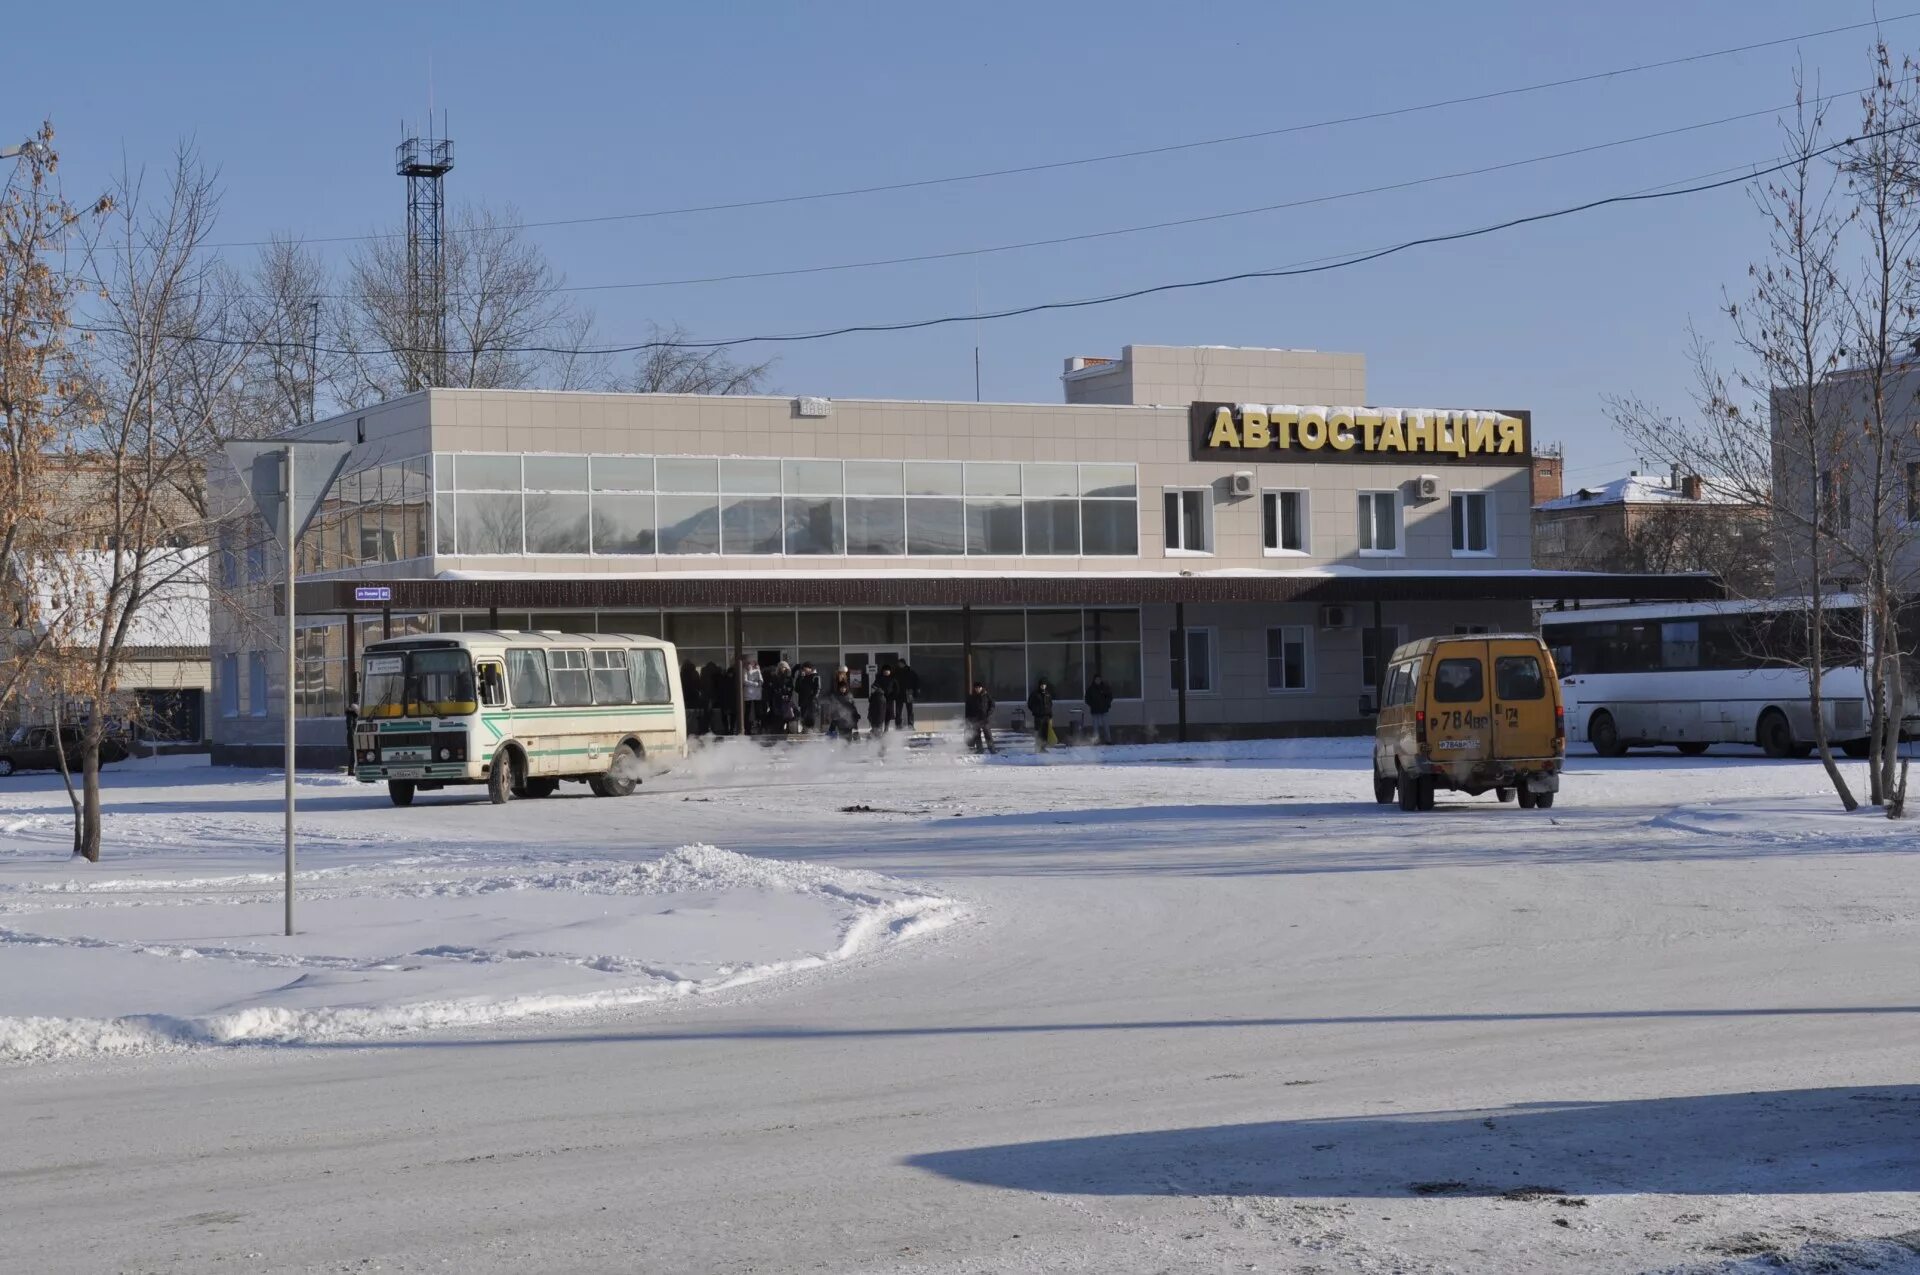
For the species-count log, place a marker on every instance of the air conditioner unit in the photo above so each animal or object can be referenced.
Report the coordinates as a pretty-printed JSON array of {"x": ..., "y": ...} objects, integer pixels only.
[
  {"x": 1336, "y": 617},
  {"x": 1428, "y": 485},
  {"x": 1241, "y": 484}
]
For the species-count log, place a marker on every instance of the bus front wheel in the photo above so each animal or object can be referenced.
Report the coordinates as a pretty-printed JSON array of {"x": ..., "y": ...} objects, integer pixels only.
[
  {"x": 400, "y": 791},
  {"x": 1604, "y": 735}
]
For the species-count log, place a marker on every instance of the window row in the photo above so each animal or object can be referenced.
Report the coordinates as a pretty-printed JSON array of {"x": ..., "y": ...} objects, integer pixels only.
[
  {"x": 745, "y": 525},
  {"x": 762, "y": 476},
  {"x": 1285, "y": 525}
]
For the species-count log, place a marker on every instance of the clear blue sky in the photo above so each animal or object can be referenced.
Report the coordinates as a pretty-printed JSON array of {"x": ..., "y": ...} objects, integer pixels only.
[{"x": 566, "y": 110}]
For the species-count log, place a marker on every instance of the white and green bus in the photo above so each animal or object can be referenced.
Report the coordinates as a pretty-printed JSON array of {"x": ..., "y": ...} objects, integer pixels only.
[{"x": 516, "y": 711}]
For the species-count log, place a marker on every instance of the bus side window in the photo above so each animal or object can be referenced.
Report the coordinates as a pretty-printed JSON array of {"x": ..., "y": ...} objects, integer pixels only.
[
  {"x": 493, "y": 685},
  {"x": 650, "y": 676},
  {"x": 529, "y": 668}
]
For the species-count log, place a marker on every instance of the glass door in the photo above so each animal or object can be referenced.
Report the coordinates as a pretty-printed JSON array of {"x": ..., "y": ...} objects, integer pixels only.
[{"x": 863, "y": 665}]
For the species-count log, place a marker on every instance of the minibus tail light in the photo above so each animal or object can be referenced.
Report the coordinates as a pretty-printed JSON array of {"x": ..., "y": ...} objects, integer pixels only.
[{"x": 1420, "y": 726}]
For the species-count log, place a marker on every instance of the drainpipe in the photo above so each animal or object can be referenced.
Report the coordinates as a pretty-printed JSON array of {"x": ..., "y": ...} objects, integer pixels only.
[{"x": 1180, "y": 649}]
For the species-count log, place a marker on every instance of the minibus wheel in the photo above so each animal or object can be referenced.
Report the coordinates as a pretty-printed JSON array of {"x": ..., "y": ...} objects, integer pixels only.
[
  {"x": 1528, "y": 798},
  {"x": 1504, "y": 794}
]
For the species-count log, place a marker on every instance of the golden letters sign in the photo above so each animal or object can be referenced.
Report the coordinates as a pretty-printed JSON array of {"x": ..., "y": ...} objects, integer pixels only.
[{"x": 1287, "y": 431}]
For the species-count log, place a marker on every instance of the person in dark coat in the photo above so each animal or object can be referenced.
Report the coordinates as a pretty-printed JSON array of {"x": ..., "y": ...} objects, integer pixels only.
[
  {"x": 1040, "y": 705},
  {"x": 806, "y": 689},
  {"x": 695, "y": 696},
  {"x": 980, "y": 718},
  {"x": 1099, "y": 704},
  {"x": 878, "y": 706},
  {"x": 713, "y": 684},
  {"x": 906, "y": 687}
]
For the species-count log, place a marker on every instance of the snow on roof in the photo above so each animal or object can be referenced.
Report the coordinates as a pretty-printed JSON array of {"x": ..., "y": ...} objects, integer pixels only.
[
  {"x": 1646, "y": 489},
  {"x": 174, "y": 613}
]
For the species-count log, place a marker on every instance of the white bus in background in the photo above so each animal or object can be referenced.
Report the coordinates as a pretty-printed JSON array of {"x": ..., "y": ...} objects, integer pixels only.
[
  {"x": 1691, "y": 675},
  {"x": 516, "y": 711}
]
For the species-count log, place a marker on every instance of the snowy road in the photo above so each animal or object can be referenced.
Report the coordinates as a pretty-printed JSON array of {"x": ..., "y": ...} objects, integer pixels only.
[{"x": 1209, "y": 1014}]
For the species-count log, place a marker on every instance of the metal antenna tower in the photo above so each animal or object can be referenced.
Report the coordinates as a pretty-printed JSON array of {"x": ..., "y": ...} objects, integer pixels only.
[{"x": 425, "y": 162}]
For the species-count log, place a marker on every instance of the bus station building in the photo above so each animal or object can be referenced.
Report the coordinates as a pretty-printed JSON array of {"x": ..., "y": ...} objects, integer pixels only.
[{"x": 1230, "y": 536}]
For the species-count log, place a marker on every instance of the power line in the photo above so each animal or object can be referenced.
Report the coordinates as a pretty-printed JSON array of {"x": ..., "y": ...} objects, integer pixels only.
[
  {"x": 1175, "y": 223},
  {"x": 1341, "y": 263},
  {"x": 1139, "y": 153}
]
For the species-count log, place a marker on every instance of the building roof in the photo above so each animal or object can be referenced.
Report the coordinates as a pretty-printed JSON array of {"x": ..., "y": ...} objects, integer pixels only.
[
  {"x": 1645, "y": 489},
  {"x": 173, "y": 617},
  {"x": 856, "y": 588}
]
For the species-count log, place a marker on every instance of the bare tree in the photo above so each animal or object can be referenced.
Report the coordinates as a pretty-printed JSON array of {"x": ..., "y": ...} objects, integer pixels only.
[
  {"x": 284, "y": 307},
  {"x": 1767, "y": 430},
  {"x": 158, "y": 375},
  {"x": 37, "y": 384},
  {"x": 507, "y": 320},
  {"x": 670, "y": 366},
  {"x": 1879, "y": 299},
  {"x": 1732, "y": 541}
]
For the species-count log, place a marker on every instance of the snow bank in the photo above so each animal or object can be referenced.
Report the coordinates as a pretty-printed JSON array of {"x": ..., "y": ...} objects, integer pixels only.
[{"x": 411, "y": 946}]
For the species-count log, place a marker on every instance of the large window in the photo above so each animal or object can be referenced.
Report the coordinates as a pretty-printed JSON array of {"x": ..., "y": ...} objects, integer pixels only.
[
  {"x": 1287, "y": 658},
  {"x": 1380, "y": 522},
  {"x": 1195, "y": 663},
  {"x": 230, "y": 684},
  {"x": 1189, "y": 519},
  {"x": 257, "y": 684},
  {"x": 650, "y": 685},
  {"x": 612, "y": 679},
  {"x": 1283, "y": 521},
  {"x": 1472, "y": 522},
  {"x": 377, "y": 515},
  {"x": 747, "y": 506}
]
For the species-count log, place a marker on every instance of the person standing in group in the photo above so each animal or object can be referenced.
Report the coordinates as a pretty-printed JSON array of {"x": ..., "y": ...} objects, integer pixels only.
[
  {"x": 838, "y": 713},
  {"x": 695, "y": 698},
  {"x": 713, "y": 682},
  {"x": 877, "y": 706},
  {"x": 906, "y": 687},
  {"x": 1040, "y": 705},
  {"x": 1099, "y": 704},
  {"x": 980, "y": 718},
  {"x": 756, "y": 694},
  {"x": 806, "y": 689},
  {"x": 780, "y": 710}
]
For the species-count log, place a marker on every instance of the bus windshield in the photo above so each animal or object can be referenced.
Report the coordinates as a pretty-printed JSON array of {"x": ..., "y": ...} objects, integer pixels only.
[{"x": 418, "y": 684}]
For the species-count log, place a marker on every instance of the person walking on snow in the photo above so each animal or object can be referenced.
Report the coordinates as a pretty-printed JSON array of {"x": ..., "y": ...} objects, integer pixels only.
[
  {"x": 1099, "y": 704},
  {"x": 1040, "y": 704},
  {"x": 980, "y": 718},
  {"x": 877, "y": 707}
]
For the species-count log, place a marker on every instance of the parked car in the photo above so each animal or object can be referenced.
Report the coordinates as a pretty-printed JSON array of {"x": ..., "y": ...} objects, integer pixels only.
[
  {"x": 31, "y": 748},
  {"x": 1474, "y": 714}
]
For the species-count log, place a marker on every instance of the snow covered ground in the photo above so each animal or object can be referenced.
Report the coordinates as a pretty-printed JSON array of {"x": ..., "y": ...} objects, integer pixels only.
[{"x": 1180, "y": 1008}]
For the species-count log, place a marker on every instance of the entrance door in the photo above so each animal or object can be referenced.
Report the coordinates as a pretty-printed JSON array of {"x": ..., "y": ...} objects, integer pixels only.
[
  {"x": 862, "y": 665},
  {"x": 1522, "y": 705}
]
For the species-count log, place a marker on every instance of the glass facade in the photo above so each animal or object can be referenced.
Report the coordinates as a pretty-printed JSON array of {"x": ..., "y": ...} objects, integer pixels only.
[
  {"x": 1011, "y": 648},
  {"x": 509, "y": 504},
  {"x": 375, "y": 515}
]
